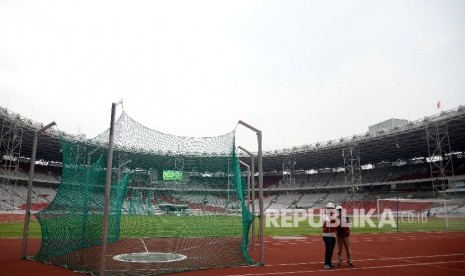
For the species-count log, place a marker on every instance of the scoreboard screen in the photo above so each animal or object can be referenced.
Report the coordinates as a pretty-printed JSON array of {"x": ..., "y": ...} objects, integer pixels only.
[{"x": 171, "y": 175}]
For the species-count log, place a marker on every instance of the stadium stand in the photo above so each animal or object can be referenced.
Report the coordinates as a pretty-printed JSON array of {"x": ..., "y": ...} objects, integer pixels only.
[
  {"x": 402, "y": 170},
  {"x": 284, "y": 201},
  {"x": 308, "y": 201}
]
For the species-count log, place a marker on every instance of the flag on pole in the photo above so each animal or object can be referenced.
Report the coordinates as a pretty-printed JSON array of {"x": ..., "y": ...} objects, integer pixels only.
[{"x": 438, "y": 105}]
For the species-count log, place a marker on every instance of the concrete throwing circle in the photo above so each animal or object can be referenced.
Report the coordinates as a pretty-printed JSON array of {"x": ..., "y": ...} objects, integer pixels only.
[{"x": 150, "y": 257}]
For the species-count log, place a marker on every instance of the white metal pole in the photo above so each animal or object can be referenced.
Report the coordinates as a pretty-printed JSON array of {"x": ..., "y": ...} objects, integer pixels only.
[
  {"x": 260, "y": 199},
  {"x": 248, "y": 182},
  {"x": 252, "y": 191},
  {"x": 260, "y": 191},
  {"x": 107, "y": 190},
  {"x": 377, "y": 208},
  {"x": 252, "y": 184},
  {"x": 248, "y": 186},
  {"x": 27, "y": 216}
]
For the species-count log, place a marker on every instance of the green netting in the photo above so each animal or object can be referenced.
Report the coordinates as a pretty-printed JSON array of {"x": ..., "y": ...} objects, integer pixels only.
[{"x": 177, "y": 204}]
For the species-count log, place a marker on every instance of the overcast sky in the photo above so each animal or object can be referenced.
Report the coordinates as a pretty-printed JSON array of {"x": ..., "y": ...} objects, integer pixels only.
[{"x": 301, "y": 71}]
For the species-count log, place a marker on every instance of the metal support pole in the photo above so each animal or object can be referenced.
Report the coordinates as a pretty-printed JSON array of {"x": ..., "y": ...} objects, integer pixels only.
[
  {"x": 89, "y": 155},
  {"x": 397, "y": 213},
  {"x": 260, "y": 199},
  {"x": 252, "y": 191},
  {"x": 27, "y": 216},
  {"x": 86, "y": 198},
  {"x": 248, "y": 188},
  {"x": 119, "y": 169},
  {"x": 107, "y": 189},
  {"x": 248, "y": 183},
  {"x": 260, "y": 191},
  {"x": 445, "y": 208}
]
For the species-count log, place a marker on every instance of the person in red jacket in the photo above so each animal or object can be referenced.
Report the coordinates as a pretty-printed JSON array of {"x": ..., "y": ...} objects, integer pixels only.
[
  {"x": 329, "y": 233},
  {"x": 343, "y": 240}
]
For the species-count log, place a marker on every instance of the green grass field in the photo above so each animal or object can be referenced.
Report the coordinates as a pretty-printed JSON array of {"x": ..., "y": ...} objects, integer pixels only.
[
  {"x": 197, "y": 226},
  {"x": 15, "y": 230}
]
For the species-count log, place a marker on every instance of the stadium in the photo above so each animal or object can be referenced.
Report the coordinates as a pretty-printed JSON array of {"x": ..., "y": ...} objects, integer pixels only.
[{"x": 189, "y": 205}]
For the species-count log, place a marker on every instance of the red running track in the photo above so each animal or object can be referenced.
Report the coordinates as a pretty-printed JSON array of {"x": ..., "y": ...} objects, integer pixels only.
[{"x": 408, "y": 253}]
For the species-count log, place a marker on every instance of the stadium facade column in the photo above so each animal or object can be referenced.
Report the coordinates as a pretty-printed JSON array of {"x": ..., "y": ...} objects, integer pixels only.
[
  {"x": 440, "y": 158},
  {"x": 352, "y": 172},
  {"x": 288, "y": 169},
  {"x": 11, "y": 139}
]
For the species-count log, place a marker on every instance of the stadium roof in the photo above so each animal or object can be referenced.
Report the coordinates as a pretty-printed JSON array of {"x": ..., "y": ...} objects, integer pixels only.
[
  {"x": 388, "y": 145},
  {"x": 403, "y": 143},
  {"x": 48, "y": 143}
]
